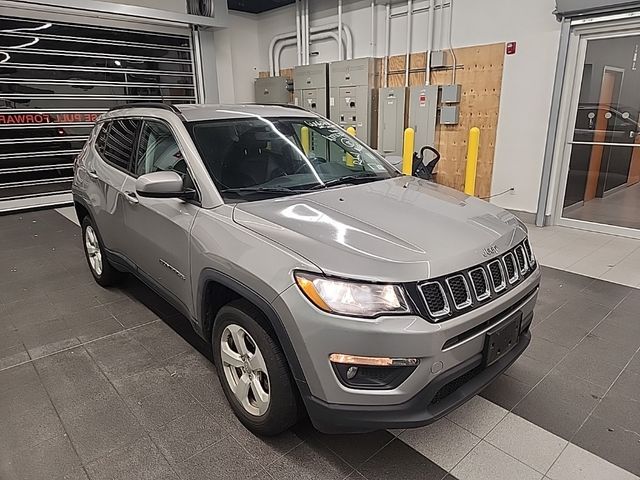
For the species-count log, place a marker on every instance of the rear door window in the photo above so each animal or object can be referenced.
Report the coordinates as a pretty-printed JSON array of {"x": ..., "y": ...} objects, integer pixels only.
[{"x": 118, "y": 150}]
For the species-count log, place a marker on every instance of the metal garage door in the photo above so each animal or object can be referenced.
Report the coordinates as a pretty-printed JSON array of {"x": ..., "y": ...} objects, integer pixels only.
[{"x": 56, "y": 78}]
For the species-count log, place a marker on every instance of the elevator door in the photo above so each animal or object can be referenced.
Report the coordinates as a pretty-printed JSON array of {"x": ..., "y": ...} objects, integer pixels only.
[{"x": 56, "y": 78}]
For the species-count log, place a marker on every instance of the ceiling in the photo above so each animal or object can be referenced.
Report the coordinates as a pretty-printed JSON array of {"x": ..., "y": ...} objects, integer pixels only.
[{"x": 256, "y": 6}]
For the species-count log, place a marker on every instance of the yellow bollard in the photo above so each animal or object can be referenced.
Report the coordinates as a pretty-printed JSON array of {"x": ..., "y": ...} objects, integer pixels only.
[
  {"x": 407, "y": 151},
  {"x": 472, "y": 161},
  {"x": 349, "y": 159},
  {"x": 305, "y": 139}
]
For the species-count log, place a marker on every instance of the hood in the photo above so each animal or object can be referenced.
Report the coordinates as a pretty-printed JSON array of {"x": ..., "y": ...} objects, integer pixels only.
[{"x": 401, "y": 229}]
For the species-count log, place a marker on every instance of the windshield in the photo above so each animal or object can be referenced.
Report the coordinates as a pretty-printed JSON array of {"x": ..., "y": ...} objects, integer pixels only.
[{"x": 256, "y": 158}]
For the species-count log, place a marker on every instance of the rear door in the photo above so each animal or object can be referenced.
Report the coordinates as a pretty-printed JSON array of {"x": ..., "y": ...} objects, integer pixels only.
[
  {"x": 158, "y": 229},
  {"x": 107, "y": 173}
]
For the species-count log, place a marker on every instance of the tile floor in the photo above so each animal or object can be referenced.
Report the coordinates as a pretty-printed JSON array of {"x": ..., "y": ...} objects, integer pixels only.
[{"x": 113, "y": 384}]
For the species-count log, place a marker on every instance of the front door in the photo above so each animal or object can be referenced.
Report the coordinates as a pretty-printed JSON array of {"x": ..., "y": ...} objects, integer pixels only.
[
  {"x": 158, "y": 229},
  {"x": 601, "y": 189}
]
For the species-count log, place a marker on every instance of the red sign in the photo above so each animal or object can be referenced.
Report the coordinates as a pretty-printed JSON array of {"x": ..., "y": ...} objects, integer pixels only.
[{"x": 42, "y": 118}]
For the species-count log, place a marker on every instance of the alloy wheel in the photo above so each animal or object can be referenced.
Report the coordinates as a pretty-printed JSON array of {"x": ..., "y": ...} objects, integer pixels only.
[
  {"x": 92, "y": 245},
  {"x": 245, "y": 370}
]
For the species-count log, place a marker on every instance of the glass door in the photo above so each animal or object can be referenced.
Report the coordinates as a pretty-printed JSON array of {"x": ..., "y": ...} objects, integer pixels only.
[{"x": 601, "y": 189}]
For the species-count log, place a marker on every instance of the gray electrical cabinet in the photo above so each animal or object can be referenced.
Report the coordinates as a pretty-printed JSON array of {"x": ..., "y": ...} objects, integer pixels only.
[
  {"x": 272, "y": 90},
  {"x": 353, "y": 97},
  {"x": 423, "y": 113},
  {"x": 392, "y": 110},
  {"x": 310, "y": 90}
]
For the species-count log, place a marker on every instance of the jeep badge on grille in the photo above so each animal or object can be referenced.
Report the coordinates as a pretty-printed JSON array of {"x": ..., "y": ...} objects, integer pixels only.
[{"x": 491, "y": 250}]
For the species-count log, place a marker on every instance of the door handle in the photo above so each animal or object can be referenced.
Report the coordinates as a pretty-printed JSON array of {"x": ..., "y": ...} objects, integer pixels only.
[
  {"x": 92, "y": 174},
  {"x": 131, "y": 197}
]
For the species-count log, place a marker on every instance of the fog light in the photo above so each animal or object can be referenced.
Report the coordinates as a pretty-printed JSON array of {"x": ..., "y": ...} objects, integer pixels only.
[{"x": 372, "y": 373}]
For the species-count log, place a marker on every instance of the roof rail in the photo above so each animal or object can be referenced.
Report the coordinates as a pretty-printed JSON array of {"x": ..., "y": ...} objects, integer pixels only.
[
  {"x": 164, "y": 106},
  {"x": 287, "y": 105}
]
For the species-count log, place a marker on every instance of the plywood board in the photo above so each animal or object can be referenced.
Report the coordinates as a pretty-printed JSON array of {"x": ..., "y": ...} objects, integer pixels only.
[{"x": 480, "y": 74}]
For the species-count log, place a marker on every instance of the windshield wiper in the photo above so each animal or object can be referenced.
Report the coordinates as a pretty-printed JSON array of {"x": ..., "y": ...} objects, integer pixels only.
[
  {"x": 345, "y": 179},
  {"x": 280, "y": 190}
]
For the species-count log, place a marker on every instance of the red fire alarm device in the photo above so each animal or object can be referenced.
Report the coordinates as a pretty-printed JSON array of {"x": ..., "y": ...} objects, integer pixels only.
[{"x": 511, "y": 48}]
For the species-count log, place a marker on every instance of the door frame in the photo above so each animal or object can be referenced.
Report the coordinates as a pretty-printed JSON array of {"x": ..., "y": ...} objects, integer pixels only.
[{"x": 581, "y": 33}]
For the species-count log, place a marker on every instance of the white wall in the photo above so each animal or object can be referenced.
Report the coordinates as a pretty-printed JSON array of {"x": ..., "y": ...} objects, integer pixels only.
[
  {"x": 170, "y": 5},
  {"x": 527, "y": 81},
  {"x": 237, "y": 58}
]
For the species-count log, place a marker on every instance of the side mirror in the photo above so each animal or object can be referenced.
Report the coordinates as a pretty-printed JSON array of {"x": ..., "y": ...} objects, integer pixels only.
[
  {"x": 162, "y": 185},
  {"x": 395, "y": 160}
]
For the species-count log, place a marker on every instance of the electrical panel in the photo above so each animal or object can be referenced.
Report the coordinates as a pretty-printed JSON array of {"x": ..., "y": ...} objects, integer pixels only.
[
  {"x": 310, "y": 84},
  {"x": 449, "y": 114},
  {"x": 423, "y": 113},
  {"x": 438, "y": 59},
  {"x": 392, "y": 109},
  {"x": 451, "y": 93},
  {"x": 353, "y": 97},
  {"x": 273, "y": 90}
]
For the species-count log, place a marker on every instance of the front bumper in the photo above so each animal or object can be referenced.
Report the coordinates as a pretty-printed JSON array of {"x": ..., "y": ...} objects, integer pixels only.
[
  {"x": 465, "y": 381},
  {"x": 455, "y": 346}
]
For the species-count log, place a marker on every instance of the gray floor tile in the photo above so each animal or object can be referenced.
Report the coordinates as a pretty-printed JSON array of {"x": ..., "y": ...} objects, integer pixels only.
[
  {"x": 53, "y": 459},
  {"x": 606, "y": 351},
  {"x": 443, "y": 442},
  {"x": 628, "y": 385},
  {"x": 223, "y": 460},
  {"x": 98, "y": 433},
  {"x": 620, "y": 410},
  {"x": 545, "y": 351},
  {"x": 560, "y": 418},
  {"x": 355, "y": 449},
  {"x": 160, "y": 340},
  {"x": 576, "y": 463},
  {"x": 160, "y": 408},
  {"x": 634, "y": 364},
  {"x": 48, "y": 337},
  {"x": 506, "y": 391},
  {"x": 587, "y": 367},
  {"x": 398, "y": 461},
  {"x": 187, "y": 435},
  {"x": 558, "y": 330},
  {"x": 26, "y": 312},
  {"x": 120, "y": 355},
  {"x": 138, "y": 461},
  {"x": 528, "y": 370},
  {"x": 98, "y": 329},
  {"x": 606, "y": 293},
  {"x": 145, "y": 383},
  {"x": 631, "y": 304},
  {"x": 486, "y": 462},
  {"x": 527, "y": 442},
  {"x": 310, "y": 461},
  {"x": 626, "y": 337},
  {"x": 12, "y": 356},
  {"x": 478, "y": 416},
  {"x": 18, "y": 377},
  {"x": 570, "y": 389}
]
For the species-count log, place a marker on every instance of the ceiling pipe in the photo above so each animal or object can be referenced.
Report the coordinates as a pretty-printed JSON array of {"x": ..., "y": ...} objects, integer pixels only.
[
  {"x": 290, "y": 42},
  {"x": 372, "y": 42},
  {"x": 298, "y": 33},
  {"x": 347, "y": 42},
  {"x": 340, "y": 57},
  {"x": 430, "y": 36},
  {"x": 408, "y": 55},
  {"x": 387, "y": 39}
]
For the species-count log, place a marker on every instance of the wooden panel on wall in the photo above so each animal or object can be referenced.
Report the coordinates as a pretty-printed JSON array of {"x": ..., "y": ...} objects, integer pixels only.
[{"x": 480, "y": 74}]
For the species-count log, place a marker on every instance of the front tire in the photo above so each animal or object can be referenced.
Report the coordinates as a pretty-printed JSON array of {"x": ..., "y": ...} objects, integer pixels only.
[
  {"x": 103, "y": 272},
  {"x": 253, "y": 371}
]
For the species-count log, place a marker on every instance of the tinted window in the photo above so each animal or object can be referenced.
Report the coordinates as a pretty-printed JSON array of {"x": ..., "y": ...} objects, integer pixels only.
[
  {"x": 101, "y": 139},
  {"x": 158, "y": 150},
  {"x": 120, "y": 142}
]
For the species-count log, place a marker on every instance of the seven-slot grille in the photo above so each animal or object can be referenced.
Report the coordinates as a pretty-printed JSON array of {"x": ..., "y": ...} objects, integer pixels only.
[{"x": 446, "y": 296}]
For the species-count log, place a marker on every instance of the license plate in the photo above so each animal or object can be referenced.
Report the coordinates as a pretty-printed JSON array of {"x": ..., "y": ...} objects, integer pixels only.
[{"x": 502, "y": 339}]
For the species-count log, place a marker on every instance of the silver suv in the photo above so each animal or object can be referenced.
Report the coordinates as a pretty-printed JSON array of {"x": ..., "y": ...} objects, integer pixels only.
[{"x": 326, "y": 281}]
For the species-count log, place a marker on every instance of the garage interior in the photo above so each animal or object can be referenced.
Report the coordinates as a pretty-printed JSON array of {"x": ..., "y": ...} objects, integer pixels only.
[{"x": 113, "y": 383}]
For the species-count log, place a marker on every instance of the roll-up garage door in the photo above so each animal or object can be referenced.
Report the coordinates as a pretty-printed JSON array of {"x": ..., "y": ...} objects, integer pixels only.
[{"x": 56, "y": 78}]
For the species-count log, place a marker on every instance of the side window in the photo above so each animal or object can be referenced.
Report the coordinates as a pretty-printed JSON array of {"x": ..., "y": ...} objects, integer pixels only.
[
  {"x": 101, "y": 139},
  {"x": 120, "y": 142},
  {"x": 158, "y": 150}
]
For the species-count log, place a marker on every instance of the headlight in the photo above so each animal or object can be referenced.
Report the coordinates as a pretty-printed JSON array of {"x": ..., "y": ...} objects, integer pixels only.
[{"x": 352, "y": 298}]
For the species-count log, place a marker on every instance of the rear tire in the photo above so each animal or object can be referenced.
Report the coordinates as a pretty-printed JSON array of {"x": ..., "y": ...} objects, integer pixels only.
[
  {"x": 103, "y": 272},
  {"x": 253, "y": 370}
]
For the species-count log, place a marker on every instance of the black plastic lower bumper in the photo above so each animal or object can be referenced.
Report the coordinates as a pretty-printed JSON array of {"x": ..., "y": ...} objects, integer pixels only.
[{"x": 447, "y": 392}]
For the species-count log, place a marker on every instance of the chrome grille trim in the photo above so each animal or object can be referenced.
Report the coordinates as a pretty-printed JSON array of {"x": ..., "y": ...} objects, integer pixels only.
[
  {"x": 468, "y": 301},
  {"x": 441, "y": 313},
  {"x": 516, "y": 275},
  {"x": 519, "y": 250},
  {"x": 480, "y": 296},
  {"x": 503, "y": 284}
]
